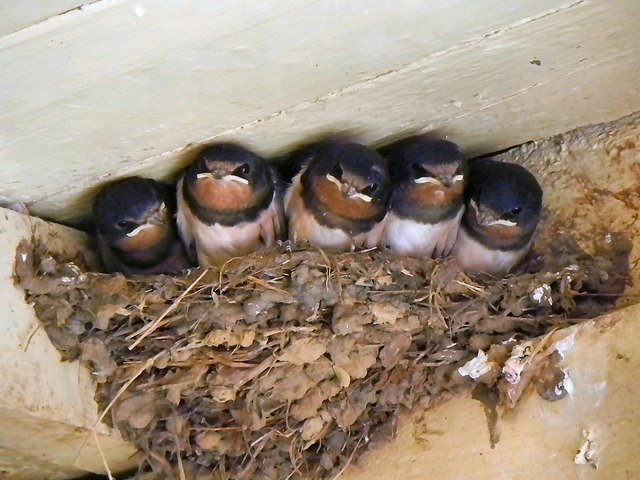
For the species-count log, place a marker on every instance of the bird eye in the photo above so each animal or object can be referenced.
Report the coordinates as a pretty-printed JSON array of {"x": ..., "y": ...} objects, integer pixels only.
[
  {"x": 243, "y": 169},
  {"x": 125, "y": 225},
  {"x": 514, "y": 212},
  {"x": 336, "y": 171},
  {"x": 370, "y": 189},
  {"x": 418, "y": 170}
]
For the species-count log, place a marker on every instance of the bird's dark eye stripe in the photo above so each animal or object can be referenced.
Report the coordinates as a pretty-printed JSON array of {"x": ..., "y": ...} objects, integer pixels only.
[
  {"x": 420, "y": 171},
  {"x": 513, "y": 212},
  {"x": 370, "y": 188},
  {"x": 125, "y": 225},
  {"x": 243, "y": 169}
]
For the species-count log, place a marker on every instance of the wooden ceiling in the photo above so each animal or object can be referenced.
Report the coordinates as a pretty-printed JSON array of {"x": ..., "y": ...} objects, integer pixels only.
[{"x": 120, "y": 87}]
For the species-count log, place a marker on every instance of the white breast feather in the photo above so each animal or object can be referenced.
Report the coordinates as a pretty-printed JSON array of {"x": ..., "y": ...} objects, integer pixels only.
[
  {"x": 472, "y": 256},
  {"x": 414, "y": 239}
]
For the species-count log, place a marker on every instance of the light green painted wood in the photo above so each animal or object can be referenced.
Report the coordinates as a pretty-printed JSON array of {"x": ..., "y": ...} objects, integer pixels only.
[{"x": 122, "y": 87}]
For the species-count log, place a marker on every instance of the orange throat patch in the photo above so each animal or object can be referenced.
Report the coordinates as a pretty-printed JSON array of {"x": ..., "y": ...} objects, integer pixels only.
[
  {"x": 329, "y": 194},
  {"x": 222, "y": 194},
  {"x": 144, "y": 240},
  {"x": 429, "y": 194},
  {"x": 503, "y": 232}
]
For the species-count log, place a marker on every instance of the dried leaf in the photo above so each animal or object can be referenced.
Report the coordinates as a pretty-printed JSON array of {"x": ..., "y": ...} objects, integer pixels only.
[
  {"x": 394, "y": 351},
  {"x": 312, "y": 427},
  {"x": 96, "y": 352},
  {"x": 208, "y": 440},
  {"x": 223, "y": 394},
  {"x": 137, "y": 410},
  {"x": 385, "y": 313},
  {"x": 301, "y": 350},
  {"x": 343, "y": 377},
  {"x": 230, "y": 338}
]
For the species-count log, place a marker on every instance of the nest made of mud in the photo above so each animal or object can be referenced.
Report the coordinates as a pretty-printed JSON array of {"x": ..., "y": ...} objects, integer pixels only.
[{"x": 291, "y": 363}]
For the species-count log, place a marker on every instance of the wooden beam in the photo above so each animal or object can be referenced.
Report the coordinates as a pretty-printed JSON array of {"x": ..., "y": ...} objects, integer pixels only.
[
  {"x": 125, "y": 91},
  {"x": 47, "y": 411},
  {"x": 27, "y": 13}
]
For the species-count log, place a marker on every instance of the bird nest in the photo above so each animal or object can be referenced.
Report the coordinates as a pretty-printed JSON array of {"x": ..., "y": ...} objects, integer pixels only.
[{"x": 291, "y": 363}]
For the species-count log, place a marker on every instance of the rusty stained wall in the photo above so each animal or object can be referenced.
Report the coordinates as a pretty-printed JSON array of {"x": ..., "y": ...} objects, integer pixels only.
[{"x": 591, "y": 182}]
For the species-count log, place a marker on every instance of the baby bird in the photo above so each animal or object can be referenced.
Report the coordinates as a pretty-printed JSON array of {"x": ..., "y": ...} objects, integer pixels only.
[
  {"x": 339, "y": 197},
  {"x": 135, "y": 230},
  {"x": 228, "y": 204},
  {"x": 503, "y": 204},
  {"x": 428, "y": 178}
]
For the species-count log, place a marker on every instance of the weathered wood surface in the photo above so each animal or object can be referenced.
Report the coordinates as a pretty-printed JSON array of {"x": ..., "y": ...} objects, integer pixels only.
[
  {"x": 47, "y": 411},
  {"x": 114, "y": 88},
  {"x": 15, "y": 16}
]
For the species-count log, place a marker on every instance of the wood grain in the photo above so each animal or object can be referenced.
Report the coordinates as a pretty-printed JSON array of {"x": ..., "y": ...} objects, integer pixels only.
[{"x": 126, "y": 92}]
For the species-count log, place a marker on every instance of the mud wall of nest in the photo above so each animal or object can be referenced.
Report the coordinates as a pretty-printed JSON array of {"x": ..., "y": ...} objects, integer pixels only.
[
  {"x": 591, "y": 182},
  {"x": 293, "y": 363}
]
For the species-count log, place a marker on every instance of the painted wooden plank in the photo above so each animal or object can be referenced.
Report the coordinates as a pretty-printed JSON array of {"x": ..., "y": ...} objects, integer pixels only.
[
  {"x": 15, "y": 16},
  {"x": 142, "y": 88},
  {"x": 486, "y": 95},
  {"x": 47, "y": 409}
]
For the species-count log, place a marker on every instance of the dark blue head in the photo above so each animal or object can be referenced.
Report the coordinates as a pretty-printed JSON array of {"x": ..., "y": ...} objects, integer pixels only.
[
  {"x": 228, "y": 184},
  {"x": 509, "y": 190},
  {"x": 503, "y": 200},
  {"x": 125, "y": 205},
  {"x": 421, "y": 157},
  {"x": 232, "y": 163},
  {"x": 428, "y": 178},
  {"x": 356, "y": 168}
]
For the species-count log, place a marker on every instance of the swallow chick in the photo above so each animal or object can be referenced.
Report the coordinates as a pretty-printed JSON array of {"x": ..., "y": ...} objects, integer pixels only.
[
  {"x": 428, "y": 178},
  {"x": 503, "y": 204},
  {"x": 135, "y": 230},
  {"x": 339, "y": 197},
  {"x": 228, "y": 204}
]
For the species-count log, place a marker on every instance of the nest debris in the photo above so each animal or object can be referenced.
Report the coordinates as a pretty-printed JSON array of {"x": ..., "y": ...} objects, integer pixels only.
[{"x": 290, "y": 364}]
